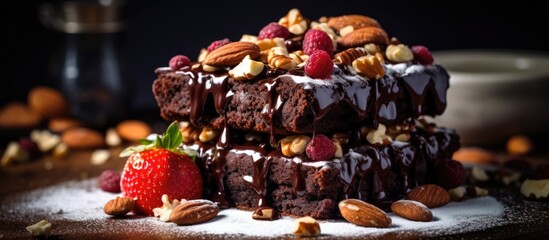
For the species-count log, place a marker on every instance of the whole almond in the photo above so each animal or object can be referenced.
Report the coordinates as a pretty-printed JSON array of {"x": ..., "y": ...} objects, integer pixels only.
[
  {"x": 82, "y": 138},
  {"x": 363, "y": 36},
  {"x": 48, "y": 102},
  {"x": 474, "y": 155},
  {"x": 363, "y": 214},
  {"x": 194, "y": 212},
  {"x": 61, "y": 124},
  {"x": 133, "y": 130},
  {"x": 119, "y": 206},
  {"x": 232, "y": 54},
  {"x": 355, "y": 20},
  {"x": 18, "y": 115},
  {"x": 431, "y": 195},
  {"x": 412, "y": 210}
]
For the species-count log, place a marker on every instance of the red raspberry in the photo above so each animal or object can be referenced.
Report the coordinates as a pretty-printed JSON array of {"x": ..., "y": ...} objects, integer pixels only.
[
  {"x": 30, "y": 147},
  {"x": 179, "y": 61},
  {"x": 109, "y": 181},
  {"x": 317, "y": 40},
  {"x": 319, "y": 65},
  {"x": 320, "y": 148},
  {"x": 217, "y": 44},
  {"x": 450, "y": 174},
  {"x": 273, "y": 30},
  {"x": 422, "y": 55}
]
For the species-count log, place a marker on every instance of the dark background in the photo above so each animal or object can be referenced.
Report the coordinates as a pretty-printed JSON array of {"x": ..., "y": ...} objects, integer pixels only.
[{"x": 157, "y": 30}]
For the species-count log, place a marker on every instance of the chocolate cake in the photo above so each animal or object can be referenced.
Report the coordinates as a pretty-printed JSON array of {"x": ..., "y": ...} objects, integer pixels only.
[{"x": 270, "y": 133}]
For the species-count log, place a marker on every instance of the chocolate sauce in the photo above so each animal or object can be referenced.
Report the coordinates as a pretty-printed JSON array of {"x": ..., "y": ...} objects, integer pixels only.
[
  {"x": 261, "y": 165},
  {"x": 298, "y": 177}
]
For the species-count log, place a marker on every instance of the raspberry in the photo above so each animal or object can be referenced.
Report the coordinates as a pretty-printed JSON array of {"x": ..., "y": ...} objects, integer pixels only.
[
  {"x": 422, "y": 55},
  {"x": 30, "y": 147},
  {"x": 273, "y": 30},
  {"x": 450, "y": 174},
  {"x": 317, "y": 40},
  {"x": 319, "y": 65},
  {"x": 217, "y": 44},
  {"x": 179, "y": 61},
  {"x": 320, "y": 148},
  {"x": 109, "y": 181}
]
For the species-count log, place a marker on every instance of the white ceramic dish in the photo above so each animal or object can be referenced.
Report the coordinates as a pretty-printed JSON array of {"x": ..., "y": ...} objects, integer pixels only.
[{"x": 495, "y": 93}]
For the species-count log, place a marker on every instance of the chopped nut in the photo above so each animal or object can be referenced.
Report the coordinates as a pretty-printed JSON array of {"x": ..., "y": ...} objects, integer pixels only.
[
  {"x": 247, "y": 69},
  {"x": 306, "y": 227},
  {"x": 346, "y": 30},
  {"x": 399, "y": 53},
  {"x": 299, "y": 57},
  {"x": 163, "y": 213},
  {"x": 268, "y": 43},
  {"x": 202, "y": 55},
  {"x": 343, "y": 138},
  {"x": 281, "y": 61},
  {"x": 119, "y": 206},
  {"x": 100, "y": 156},
  {"x": 378, "y": 136},
  {"x": 190, "y": 134},
  {"x": 42, "y": 228},
  {"x": 403, "y": 137},
  {"x": 476, "y": 192},
  {"x": 268, "y": 214},
  {"x": 60, "y": 151},
  {"x": 112, "y": 138},
  {"x": 294, "y": 145},
  {"x": 207, "y": 134},
  {"x": 479, "y": 174},
  {"x": 369, "y": 67},
  {"x": 348, "y": 56},
  {"x": 13, "y": 152},
  {"x": 339, "y": 151},
  {"x": 457, "y": 194},
  {"x": 195, "y": 66},
  {"x": 209, "y": 68},
  {"x": 535, "y": 189},
  {"x": 294, "y": 21},
  {"x": 45, "y": 140},
  {"x": 372, "y": 48},
  {"x": 248, "y": 38},
  {"x": 519, "y": 145}
]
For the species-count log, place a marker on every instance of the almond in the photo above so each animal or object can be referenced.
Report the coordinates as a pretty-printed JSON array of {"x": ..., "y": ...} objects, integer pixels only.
[
  {"x": 355, "y": 20},
  {"x": 48, "y": 102},
  {"x": 119, "y": 206},
  {"x": 474, "y": 155},
  {"x": 412, "y": 210},
  {"x": 431, "y": 195},
  {"x": 133, "y": 130},
  {"x": 363, "y": 214},
  {"x": 363, "y": 36},
  {"x": 61, "y": 124},
  {"x": 82, "y": 138},
  {"x": 194, "y": 212},
  {"x": 232, "y": 54},
  {"x": 18, "y": 115}
]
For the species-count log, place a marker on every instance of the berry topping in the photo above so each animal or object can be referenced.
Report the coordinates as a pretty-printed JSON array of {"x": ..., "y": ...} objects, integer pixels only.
[
  {"x": 422, "y": 55},
  {"x": 158, "y": 167},
  {"x": 30, "y": 147},
  {"x": 217, "y": 44},
  {"x": 320, "y": 148},
  {"x": 179, "y": 61},
  {"x": 319, "y": 65},
  {"x": 273, "y": 30},
  {"x": 317, "y": 40},
  {"x": 450, "y": 174},
  {"x": 109, "y": 181}
]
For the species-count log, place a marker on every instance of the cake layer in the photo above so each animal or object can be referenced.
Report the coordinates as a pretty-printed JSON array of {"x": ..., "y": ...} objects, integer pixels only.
[
  {"x": 254, "y": 175},
  {"x": 291, "y": 102}
]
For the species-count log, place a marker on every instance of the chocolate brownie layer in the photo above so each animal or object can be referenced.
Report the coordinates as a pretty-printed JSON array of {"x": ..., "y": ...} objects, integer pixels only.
[
  {"x": 255, "y": 175},
  {"x": 294, "y": 103}
]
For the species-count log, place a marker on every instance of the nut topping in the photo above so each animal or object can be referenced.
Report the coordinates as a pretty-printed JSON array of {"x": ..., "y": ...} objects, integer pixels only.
[
  {"x": 194, "y": 212},
  {"x": 247, "y": 69},
  {"x": 294, "y": 21},
  {"x": 360, "y": 37},
  {"x": 266, "y": 213},
  {"x": 231, "y": 54},
  {"x": 306, "y": 227},
  {"x": 431, "y": 195},
  {"x": 348, "y": 56},
  {"x": 355, "y": 20},
  {"x": 399, "y": 53},
  {"x": 412, "y": 210},
  {"x": 369, "y": 67},
  {"x": 119, "y": 206},
  {"x": 363, "y": 214}
]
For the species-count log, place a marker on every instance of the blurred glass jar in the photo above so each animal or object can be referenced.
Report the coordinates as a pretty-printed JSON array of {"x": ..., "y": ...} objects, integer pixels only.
[{"x": 90, "y": 66}]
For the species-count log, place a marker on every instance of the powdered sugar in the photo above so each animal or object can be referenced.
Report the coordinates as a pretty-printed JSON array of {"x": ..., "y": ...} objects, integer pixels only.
[{"x": 82, "y": 201}]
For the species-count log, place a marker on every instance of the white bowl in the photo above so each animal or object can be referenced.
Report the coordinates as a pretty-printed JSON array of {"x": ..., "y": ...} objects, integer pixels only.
[{"x": 495, "y": 94}]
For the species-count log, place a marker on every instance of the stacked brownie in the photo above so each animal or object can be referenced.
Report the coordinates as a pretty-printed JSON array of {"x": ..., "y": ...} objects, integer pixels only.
[{"x": 269, "y": 135}]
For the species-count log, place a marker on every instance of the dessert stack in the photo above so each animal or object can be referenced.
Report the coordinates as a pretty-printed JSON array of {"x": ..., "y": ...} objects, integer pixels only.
[{"x": 308, "y": 113}]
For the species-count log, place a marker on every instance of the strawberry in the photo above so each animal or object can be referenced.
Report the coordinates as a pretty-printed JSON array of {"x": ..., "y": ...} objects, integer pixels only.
[{"x": 158, "y": 167}]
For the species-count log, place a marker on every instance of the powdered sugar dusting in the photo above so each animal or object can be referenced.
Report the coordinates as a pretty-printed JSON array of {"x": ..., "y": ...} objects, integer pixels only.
[{"x": 82, "y": 201}]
